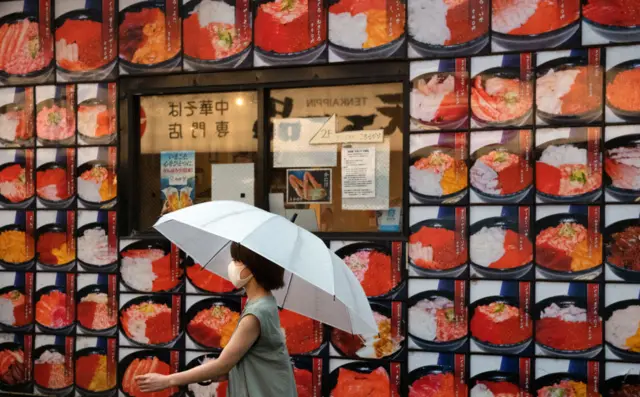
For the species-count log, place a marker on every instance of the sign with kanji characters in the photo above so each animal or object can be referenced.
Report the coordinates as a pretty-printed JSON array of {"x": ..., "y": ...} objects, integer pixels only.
[{"x": 177, "y": 180}]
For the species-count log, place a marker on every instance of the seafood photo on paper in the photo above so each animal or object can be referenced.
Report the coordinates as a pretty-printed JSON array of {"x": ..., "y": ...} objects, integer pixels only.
[
  {"x": 149, "y": 270},
  {"x": 434, "y": 320},
  {"x": 622, "y": 165},
  {"x": 52, "y": 184},
  {"x": 94, "y": 374},
  {"x": 54, "y": 249},
  {"x": 500, "y": 248},
  {"x": 623, "y": 92},
  {"x": 55, "y": 123},
  {"x": 49, "y": 371},
  {"x": 373, "y": 269},
  {"x": 624, "y": 13},
  {"x": 95, "y": 313},
  {"x": 208, "y": 389},
  {"x": 441, "y": 22},
  {"x": 304, "y": 382},
  {"x": 79, "y": 45},
  {"x": 570, "y": 91},
  {"x": 567, "y": 328},
  {"x": 434, "y": 99},
  {"x": 438, "y": 174},
  {"x": 532, "y": 17},
  {"x": 282, "y": 26},
  {"x": 564, "y": 171},
  {"x": 622, "y": 329},
  {"x": 500, "y": 173},
  {"x": 212, "y": 327},
  {"x": 364, "y": 24},
  {"x": 499, "y": 323},
  {"x": 52, "y": 310},
  {"x": 143, "y": 366},
  {"x": 627, "y": 390},
  {"x": 624, "y": 249},
  {"x": 98, "y": 184},
  {"x": 12, "y": 309},
  {"x": 143, "y": 37},
  {"x": 564, "y": 388},
  {"x": 566, "y": 248},
  {"x": 497, "y": 99},
  {"x": 210, "y": 32},
  {"x": 94, "y": 120},
  {"x": 16, "y": 247},
  {"x": 359, "y": 384},
  {"x": 12, "y": 367},
  {"x": 486, "y": 388},
  {"x": 433, "y": 385},
  {"x": 208, "y": 281},
  {"x": 94, "y": 249},
  {"x": 148, "y": 323},
  {"x": 384, "y": 344},
  {"x": 302, "y": 334},
  {"x": 435, "y": 248},
  {"x": 21, "y": 50},
  {"x": 13, "y": 126},
  {"x": 307, "y": 189},
  {"x": 13, "y": 183}
]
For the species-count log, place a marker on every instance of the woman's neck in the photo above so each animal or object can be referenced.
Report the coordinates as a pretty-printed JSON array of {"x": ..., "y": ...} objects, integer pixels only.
[{"x": 255, "y": 291}]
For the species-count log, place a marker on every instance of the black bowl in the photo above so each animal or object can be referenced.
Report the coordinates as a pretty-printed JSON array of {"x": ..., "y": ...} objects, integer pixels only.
[
  {"x": 625, "y": 195},
  {"x": 626, "y": 115},
  {"x": 560, "y": 64},
  {"x": 92, "y": 140},
  {"x": 89, "y": 165},
  {"x": 48, "y": 103},
  {"x": 97, "y": 74},
  {"x": 204, "y": 304},
  {"x": 564, "y": 301},
  {"x": 614, "y": 384},
  {"x": 35, "y": 77},
  {"x": 512, "y": 348},
  {"x": 441, "y": 125},
  {"x": 45, "y": 390},
  {"x": 50, "y": 203},
  {"x": 421, "y": 372},
  {"x": 449, "y": 346},
  {"x": 94, "y": 288},
  {"x": 163, "y": 355},
  {"x": 159, "y": 299},
  {"x": 11, "y": 328},
  {"x": 495, "y": 376},
  {"x": 617, "y": 34},
  {"x": 14, "y": 107},
  {"x": 163, "y": 245},
  {"x": 54, "y": 228},
  {"x": 448, "y": 224},
  {"x": 188, "y": 262},
  {"x": 108, "y": 268},
  {"x": 437, "y": 51},
  {"x": 539, "y": 41},
  {"x": 58, "y": 331},
  {"x": 4, "y": 202},
  {"x": 88, "y": 393},
  {"x": 428, "y": 199},
  {"x": 363, "y": 367},
  {"x": 505, "y": 73},
  {"x": 22, "y": 388},
  {"x": 553, "y": 221},
  {"x": 139, "y": 68},
  {"x": 195, "y": 363},
  {"x": 625, "y": 274},
  {"x": 357, "y": 247},
  {"x": 17, "y": 266},
  {"x": 626, "y": 355},
  {"x": 555, "y": 378},
  {"x": 505, "y": 224}
]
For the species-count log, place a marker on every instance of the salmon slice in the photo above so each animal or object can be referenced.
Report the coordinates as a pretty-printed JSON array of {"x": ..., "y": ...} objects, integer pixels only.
[{"x": 126, "y": 379}]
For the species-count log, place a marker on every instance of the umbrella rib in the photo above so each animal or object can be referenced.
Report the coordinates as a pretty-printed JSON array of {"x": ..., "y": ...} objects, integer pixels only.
[
  {"x": 286, "y": 294},
  {"x": 216, "y": 254}
]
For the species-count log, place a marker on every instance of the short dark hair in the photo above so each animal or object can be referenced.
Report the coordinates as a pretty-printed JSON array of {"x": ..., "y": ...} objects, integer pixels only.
[{"x": 266, "y": 273}]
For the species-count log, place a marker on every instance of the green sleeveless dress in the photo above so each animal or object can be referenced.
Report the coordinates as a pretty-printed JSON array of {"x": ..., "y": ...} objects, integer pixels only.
[{"x": 266, "y": 370}]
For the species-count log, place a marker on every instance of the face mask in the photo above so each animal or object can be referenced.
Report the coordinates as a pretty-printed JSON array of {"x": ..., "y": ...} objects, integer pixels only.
[{"x": 234, "y": 272}]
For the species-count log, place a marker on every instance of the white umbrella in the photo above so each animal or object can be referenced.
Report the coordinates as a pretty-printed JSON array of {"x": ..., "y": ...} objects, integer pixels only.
[{"x": 318, "y": 284}]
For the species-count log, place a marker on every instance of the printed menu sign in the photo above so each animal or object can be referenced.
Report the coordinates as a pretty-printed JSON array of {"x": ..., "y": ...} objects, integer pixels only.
[
  {"x": 358, "y": 172},
  {"x": 177, "y": 180}
]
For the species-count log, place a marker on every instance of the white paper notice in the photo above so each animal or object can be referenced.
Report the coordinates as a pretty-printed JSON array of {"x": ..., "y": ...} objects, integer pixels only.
[{"x": 358, "y": 172}]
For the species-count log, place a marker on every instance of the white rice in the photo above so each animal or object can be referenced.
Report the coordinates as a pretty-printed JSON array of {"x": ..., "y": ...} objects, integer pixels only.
[
  {"x": 422, "y": 317},
  {"x": 210, "y": 390},
  {"x": 50, "y": 357},
  {"x": 89, "y": 190},
  {"x": 93, "y": 248},
  {"x": 622, "y": 324},
  {"x": 88, "y": 119},
  {"x": 6, "y": 311},
  {"x": 484, "y": 178},
  {"x": 8, "y": 127},
  {"x": 100, "y": 298},
  {"x": 563, "y": 154},
  {"x": 570, "y": 313},
  {"x": 513, "y": 16},
  {"x": 481, "y": 390},
  {"x": 552, "y": 87},
  {"x": 138, "y": 273},
  {"x": 428, "y": 21},
  {"x": 212, "y": 11},
  {"x": 425, "y": 182},
  {"x": 348, "y": 31},
  {"x": 487, "y": 245}
]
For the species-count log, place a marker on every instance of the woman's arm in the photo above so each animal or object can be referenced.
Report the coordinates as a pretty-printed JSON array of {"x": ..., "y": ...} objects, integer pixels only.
[{"x": 241, "y": 341}]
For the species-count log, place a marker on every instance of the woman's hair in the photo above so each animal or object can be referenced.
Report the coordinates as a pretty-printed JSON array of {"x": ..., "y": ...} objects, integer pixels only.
[{"x": 266, "y": 273}]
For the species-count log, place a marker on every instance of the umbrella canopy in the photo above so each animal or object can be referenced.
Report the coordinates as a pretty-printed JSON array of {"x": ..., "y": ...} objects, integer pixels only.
[{"x": 318, "y": 284}]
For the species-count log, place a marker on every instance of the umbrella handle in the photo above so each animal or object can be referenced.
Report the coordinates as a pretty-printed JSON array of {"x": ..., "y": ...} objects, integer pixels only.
[{"x": 294, "y": 217}]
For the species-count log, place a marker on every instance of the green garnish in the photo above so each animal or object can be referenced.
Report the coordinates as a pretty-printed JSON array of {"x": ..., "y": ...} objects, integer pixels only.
[
  {"x": 511, "y": 97},
  {"x": 567, "y": 230},
  {"x": 225, "y": 36},
  {"x": 287, "y": 5},
  {"x": 578, "y": 176},
  {"x": 501, "y": 157},
  {"x": 34, "y": 48},
  {"x": 54, "y": 118},
  {"x": 557, "y": 392},
  {"x": 449, "y": 314},
  {"x": 499, "y": 307}
]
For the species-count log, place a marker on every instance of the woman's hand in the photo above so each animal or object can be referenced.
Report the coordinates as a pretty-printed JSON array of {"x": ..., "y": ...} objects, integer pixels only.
[{"x": 152, "y": 382}]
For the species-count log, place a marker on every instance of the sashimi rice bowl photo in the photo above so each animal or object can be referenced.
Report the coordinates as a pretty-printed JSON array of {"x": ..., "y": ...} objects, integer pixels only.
[
  {"x": 627, "y": 385},
  {"x": 432, "y": 381},
  {"x": 434, "y": 250},
  {"x": 207, "y": 388},
  {"x": 211, "y": 322},
  {"x": 206, "y": 281},
  {"x": 433, "y": 322},
  {"x": 50, "y": 372},
  {"x": 55, "y": 247},
  {"x": 618, "y": 21},
  {"x": 95, "y": 122},
  {"x": 95, "y": 253},
  {"x": 622, "y": 249},
  {"x": 96, "y": 315},
  {"x": 564, "y": 384},
  {"x": 97, "y": 184},
  {"x": 53, "y": 187},
  {"x": 17, "y": 248},
  {"x": 361, "y": 379},
  {"x": 436, "y": 174},
  {"x": 499, "y": 326},
  {"x": 144, "y": 362},
  {"x": 500, "y": 174},
  {"x": 622, "y": 167},
  {"x": 15, "y": 191},
  {"x": 53, "y": 311},
  {"x": 372, "y": 266},
  {"x": 14, "y": 316},
  {"x": 623, "y": 98},
  {"x": 496, "y": 384},
  {"x": 55, "y": 122},
  {"x": 435, "y": 104},
  {"x": 13, "y": 376},
  {"x": 148, "y": 266},
  {"x": 14, "y": 124},
  {"x": 93, "y": 372},
  {"x": 622, "y": 329},
  {"x": 147, "y": 321}
]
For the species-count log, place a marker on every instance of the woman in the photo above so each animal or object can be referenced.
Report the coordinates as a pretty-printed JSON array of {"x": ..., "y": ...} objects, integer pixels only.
[{"x": 255, "y": 359}]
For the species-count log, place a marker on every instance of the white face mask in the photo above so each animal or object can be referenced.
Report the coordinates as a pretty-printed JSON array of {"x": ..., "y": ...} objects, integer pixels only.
[{"x": 234, "y": 272}]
